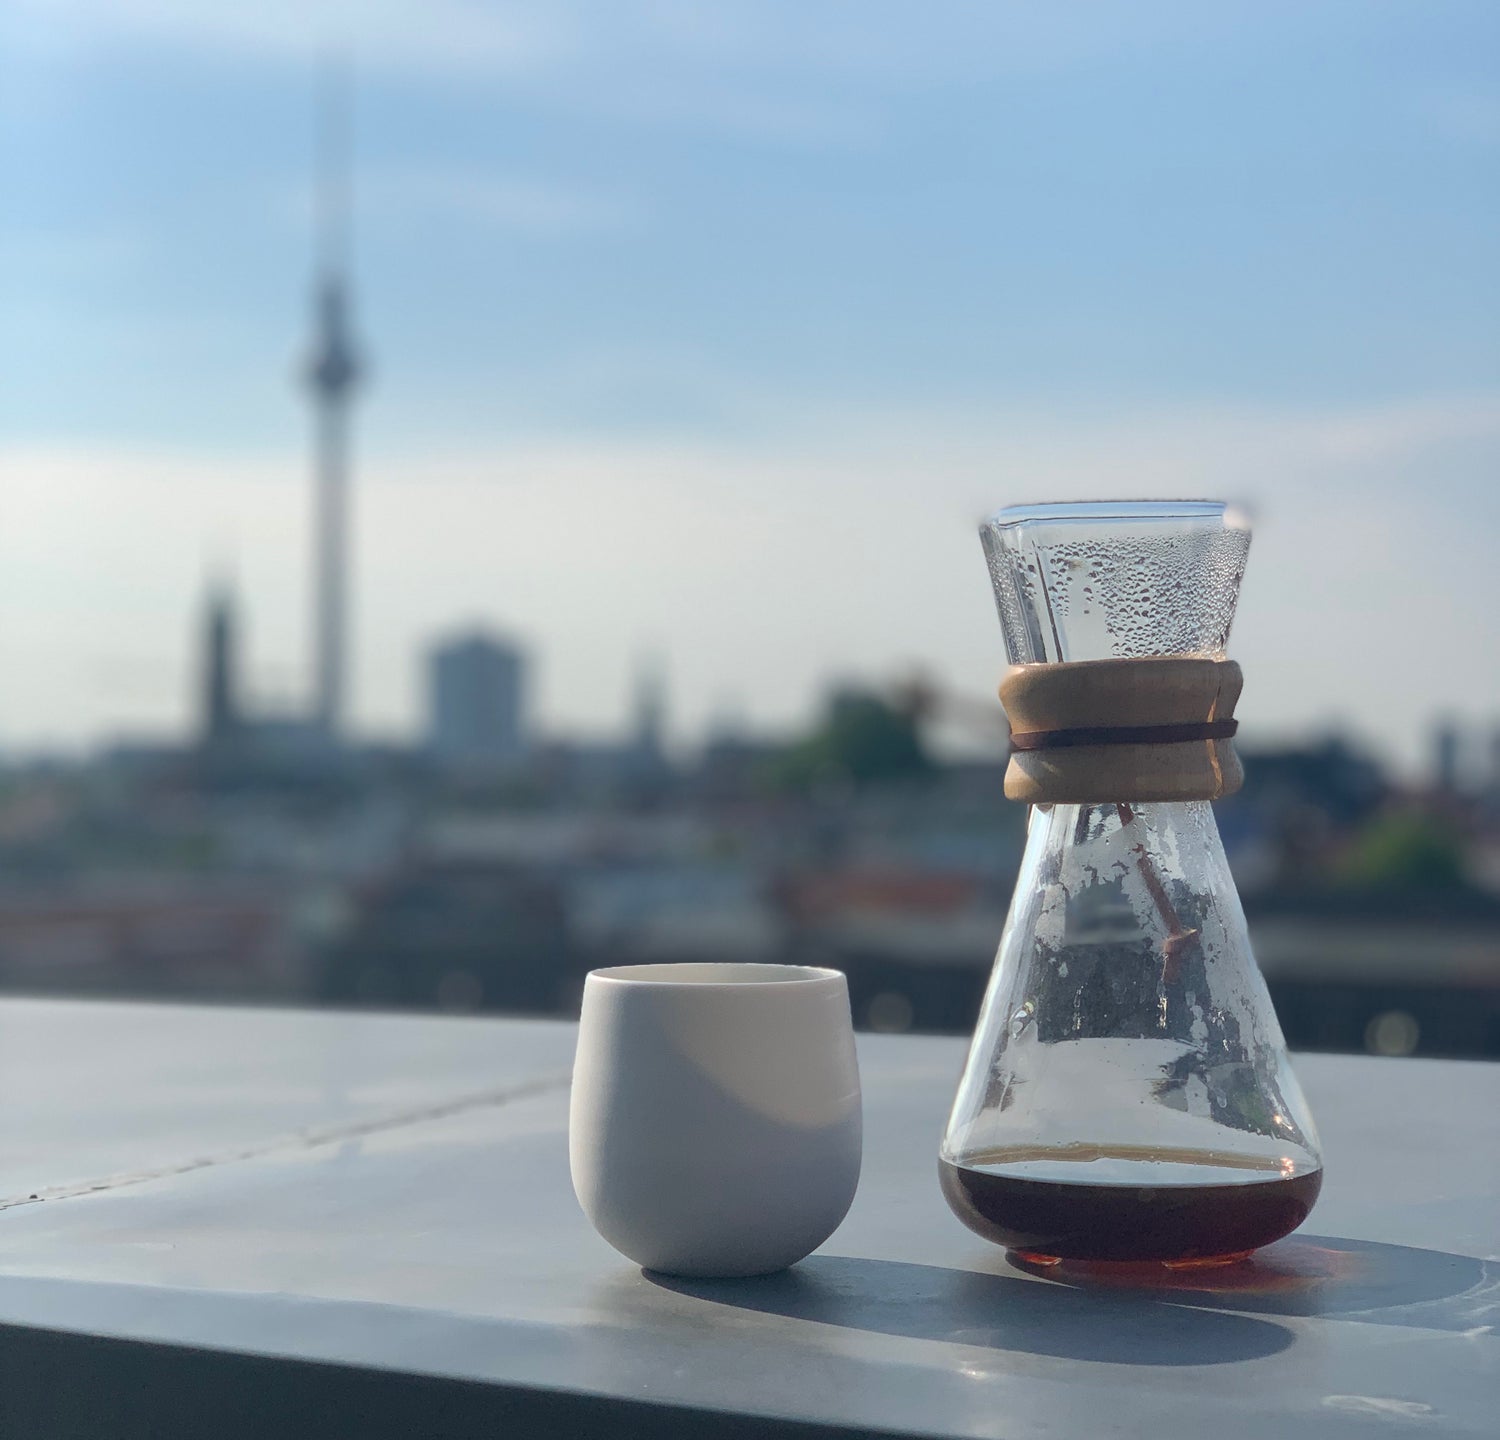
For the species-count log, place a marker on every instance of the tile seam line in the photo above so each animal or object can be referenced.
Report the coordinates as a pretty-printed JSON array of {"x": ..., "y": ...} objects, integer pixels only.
[{"x": 300, "y": 1141}]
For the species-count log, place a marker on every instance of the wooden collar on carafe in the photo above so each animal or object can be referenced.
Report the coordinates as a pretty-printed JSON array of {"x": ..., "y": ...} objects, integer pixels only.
[{"x": 1095, "y": 731}]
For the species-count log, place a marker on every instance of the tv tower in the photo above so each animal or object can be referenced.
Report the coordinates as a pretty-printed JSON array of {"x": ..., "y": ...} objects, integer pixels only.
[{"x": 333, "y": 372}]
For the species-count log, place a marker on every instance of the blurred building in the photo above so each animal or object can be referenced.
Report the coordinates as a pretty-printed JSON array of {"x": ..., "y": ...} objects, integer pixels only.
[
  {"x": 1332, "y": 777},
  {"x": 1445, "y": 757},
  {"x": 239, "y": 743},
  {"x": 650, "y": 714},
  {"x": 476, "y": 704},
  {"x": 220, "y": 717}
]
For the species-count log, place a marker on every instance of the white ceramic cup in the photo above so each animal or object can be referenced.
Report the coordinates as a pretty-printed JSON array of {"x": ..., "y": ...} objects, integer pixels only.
[{"x": 715, "y": 1122}]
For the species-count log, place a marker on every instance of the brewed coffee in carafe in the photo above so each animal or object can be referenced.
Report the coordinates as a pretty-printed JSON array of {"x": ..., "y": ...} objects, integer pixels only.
[{"x": 1127, "y": 1095}]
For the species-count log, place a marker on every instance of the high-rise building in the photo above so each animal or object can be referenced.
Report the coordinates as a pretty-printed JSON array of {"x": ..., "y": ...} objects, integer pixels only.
[
  {"x": 476, "y": 703},
  {"x": 1445, "y": 757},
  {"x": 650, "y": 712},
  {"x": 220, "y": 717},
  {"x": 333, "y": 372}
]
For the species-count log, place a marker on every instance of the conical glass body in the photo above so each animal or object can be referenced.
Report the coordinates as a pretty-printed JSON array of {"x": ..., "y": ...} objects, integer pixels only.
[{"x": 1127, "y": 1095}]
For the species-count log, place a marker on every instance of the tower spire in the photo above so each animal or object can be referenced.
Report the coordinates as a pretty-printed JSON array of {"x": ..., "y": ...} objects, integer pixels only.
[
  {"x": 332, "y": 375},
  {"x": 333, "y": 181}
]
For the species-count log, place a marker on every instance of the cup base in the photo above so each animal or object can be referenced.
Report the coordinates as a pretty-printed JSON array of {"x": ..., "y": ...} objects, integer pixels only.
[{"x": 693, "y": 1273}]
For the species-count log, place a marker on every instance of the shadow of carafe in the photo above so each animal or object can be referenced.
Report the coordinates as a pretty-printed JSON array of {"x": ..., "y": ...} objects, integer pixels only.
[
  {"x": 996, "y": 1311},
  {"x": 1312, "y": 1275}
]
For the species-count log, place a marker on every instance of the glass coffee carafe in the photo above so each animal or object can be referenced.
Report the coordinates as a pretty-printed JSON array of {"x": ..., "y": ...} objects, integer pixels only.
[{"x": 1127, "y": 1095}]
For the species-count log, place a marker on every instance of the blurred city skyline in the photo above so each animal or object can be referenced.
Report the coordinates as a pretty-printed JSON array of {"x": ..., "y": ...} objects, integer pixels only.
[{"x": 708, "y": 335}]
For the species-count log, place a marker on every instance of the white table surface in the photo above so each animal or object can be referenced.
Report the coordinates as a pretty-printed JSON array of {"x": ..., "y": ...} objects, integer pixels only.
[{"x": 270, "y": 1222}]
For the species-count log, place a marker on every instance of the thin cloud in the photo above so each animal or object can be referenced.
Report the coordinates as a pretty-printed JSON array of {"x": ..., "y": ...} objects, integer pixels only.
[
  {"x": 1471, "y": 117},
  {"x": 777, "y": 71},
  {"x": 431, "y": 37},
  {"x": 763, "y": 566},
  {"x": 521, "y": 206}
]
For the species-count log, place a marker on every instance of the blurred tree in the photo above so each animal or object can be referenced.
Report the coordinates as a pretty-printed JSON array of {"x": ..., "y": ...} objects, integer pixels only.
[
  {"x": 1405, "y": 850},
  {"x": 862, "y": 739}
]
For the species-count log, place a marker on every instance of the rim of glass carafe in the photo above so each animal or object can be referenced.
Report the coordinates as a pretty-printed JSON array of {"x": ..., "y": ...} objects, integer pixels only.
[{"x": 1095, "y": 510}]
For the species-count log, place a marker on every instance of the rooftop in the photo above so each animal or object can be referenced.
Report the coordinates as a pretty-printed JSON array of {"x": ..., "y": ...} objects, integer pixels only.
[{"x": 248, "y": 1222}]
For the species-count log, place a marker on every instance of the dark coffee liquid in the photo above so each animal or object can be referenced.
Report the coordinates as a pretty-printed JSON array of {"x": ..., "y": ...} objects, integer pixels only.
[{"x": 1163, "y": 1217}]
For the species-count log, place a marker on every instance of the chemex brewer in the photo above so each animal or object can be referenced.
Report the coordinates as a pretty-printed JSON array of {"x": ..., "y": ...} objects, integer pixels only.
[{"x": 1127, "y": 1095}]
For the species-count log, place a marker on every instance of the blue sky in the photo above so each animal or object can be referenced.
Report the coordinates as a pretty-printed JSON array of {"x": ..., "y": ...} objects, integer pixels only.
[{"x": 707, "y": 329}]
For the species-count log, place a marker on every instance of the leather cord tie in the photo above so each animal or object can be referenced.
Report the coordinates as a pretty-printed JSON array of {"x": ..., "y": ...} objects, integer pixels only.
[{"x": 1122, "y": 735}]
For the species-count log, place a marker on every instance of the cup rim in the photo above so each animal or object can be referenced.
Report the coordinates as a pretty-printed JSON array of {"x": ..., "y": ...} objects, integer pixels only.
[{"x": 706, "y": 975}]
